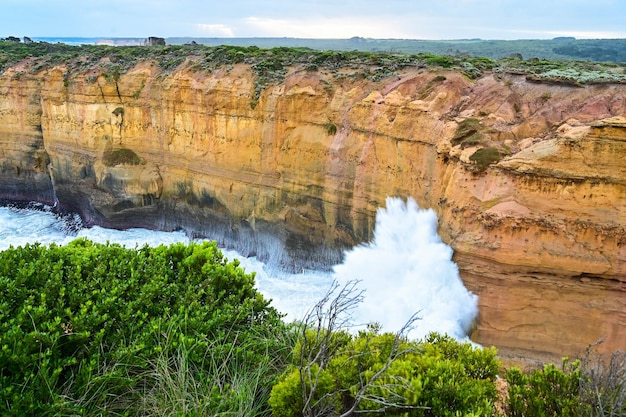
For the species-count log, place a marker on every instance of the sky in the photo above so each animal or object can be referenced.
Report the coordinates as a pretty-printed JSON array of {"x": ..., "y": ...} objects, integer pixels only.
[{"x": 400, "y": 19}]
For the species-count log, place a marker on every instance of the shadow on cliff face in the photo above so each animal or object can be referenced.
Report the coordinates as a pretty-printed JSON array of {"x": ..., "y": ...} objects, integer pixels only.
[
  {"x": 24, "y": 176},
  {"x": 268, "y": 242}
]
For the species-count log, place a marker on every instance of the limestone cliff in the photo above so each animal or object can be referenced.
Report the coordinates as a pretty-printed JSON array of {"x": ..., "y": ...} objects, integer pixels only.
[{"x": 528, "y": 179}]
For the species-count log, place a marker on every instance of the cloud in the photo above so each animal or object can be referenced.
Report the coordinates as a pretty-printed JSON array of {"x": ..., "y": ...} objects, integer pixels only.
[
  {"x": 215, "y": 30},
  {"x": 339, "y": 27}
]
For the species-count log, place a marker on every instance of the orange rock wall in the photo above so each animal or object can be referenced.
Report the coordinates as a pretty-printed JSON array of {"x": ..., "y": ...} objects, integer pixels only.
[{"x": 539, "y": 235}]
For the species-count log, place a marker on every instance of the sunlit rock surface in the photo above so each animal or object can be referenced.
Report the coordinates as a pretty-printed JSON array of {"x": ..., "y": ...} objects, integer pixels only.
[{"x": 538, "y": 231}]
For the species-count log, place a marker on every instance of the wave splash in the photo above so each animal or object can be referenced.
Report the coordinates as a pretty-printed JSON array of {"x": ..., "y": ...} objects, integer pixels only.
[{"x": 407, "y": 269}]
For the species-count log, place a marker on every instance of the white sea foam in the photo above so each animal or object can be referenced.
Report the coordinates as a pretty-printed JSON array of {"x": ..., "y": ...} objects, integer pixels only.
[
  {"x": 408, "y": 269},
  {"x": 405, "y": 269}
]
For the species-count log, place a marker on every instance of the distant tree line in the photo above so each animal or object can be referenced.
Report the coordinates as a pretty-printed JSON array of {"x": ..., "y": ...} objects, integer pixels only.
[{"x": 593, "y": 53}]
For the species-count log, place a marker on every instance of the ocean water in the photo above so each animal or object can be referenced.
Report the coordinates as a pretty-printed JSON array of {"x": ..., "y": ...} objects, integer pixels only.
[{"x": 406, "y": 269}]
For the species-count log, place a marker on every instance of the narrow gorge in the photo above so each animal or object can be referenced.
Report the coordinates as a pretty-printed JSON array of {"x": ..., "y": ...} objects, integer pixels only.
[{"x": 527, "y": 176}]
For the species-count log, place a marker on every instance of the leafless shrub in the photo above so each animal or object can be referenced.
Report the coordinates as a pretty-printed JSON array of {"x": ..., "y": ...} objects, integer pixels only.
[
  {"x": 323, "y": 335},
  {"x": 603, "y": 384}
]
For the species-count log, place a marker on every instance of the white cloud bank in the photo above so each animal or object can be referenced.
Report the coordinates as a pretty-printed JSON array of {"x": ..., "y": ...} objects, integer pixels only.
[
  {"x": 337, "y": 28},
  {"x": 215, "y": 30}
]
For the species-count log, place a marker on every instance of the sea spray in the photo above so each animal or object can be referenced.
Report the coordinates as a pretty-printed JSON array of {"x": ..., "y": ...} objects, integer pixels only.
[{"x": 408, "y": 269}]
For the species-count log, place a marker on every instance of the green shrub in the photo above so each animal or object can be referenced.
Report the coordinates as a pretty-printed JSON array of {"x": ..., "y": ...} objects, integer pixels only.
[
  {"x": 549, "y": 392},
  {"x": 330, "y": 127},
  {"x": 459, "y": 378},
  {"x": 441, "y": 61},
  {"x": 439, "y": 376},
  {"x": 82, "y": 325}
]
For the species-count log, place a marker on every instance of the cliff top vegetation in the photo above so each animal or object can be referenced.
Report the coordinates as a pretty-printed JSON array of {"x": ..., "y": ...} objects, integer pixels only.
[
  {"x": 560, "y": 48},
  {"x": 271, "y": 64}
]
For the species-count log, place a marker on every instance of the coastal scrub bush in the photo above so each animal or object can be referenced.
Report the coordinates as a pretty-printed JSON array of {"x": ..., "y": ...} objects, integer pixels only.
[
  {"x": 334, "y": 372},
  {"x": 580, "y": 76},
  {"x": 440, "y": 61},
  {"x": 549, "y": 392},
  {"x": 83, "y": 327},
  {"x": 209, "y": 58},
  {"x": 439, "y": 376}
]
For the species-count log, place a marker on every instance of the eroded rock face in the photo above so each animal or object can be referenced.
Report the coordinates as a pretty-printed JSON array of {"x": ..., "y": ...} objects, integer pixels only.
[
  {"x": 528, "y": 179},
  {"x": 23, "y": 158}
]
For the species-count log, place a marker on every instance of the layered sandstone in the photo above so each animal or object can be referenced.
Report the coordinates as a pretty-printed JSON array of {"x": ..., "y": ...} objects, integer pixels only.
[{"x": 539, "y": 234}]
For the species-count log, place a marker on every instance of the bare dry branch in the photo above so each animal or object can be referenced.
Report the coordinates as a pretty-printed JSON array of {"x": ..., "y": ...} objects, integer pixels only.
[{"x": 321, "y": 342}]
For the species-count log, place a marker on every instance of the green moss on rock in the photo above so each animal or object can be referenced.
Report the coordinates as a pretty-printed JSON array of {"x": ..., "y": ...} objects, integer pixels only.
[
  {"x": 121, "y": 156},
  {"x": 484, "y": 157},
  {"x": 468, "y": 129}
]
